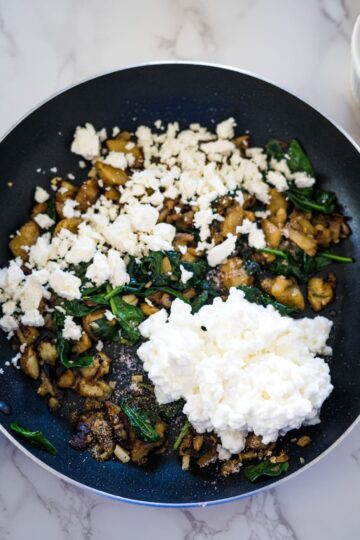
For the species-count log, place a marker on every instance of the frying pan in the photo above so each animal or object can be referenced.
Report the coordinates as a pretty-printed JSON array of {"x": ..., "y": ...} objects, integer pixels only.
[{"x": 187, "y": 93}]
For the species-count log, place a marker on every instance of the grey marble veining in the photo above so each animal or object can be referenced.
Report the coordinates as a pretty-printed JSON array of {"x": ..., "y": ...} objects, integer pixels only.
[{"x": 45, "y": 46}]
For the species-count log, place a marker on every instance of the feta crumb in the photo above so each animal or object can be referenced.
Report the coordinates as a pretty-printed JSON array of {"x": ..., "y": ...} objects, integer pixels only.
[
  {"x": 44, "y": 221},
  {"x": 116, "y": 159},
  {"x": 15, "y": 359},
  {"x": 278, "y": 180},
  {"x": 225, "y": 130},
  {"x": 71, "y": 330},
  {"x": 54, "y": 169},
  {"x": 82, "y": 164},
  {"x": 219, "y": 253},
  {"x": 115, "y": 131},
  {"x": 109, "y": 316},
  {"x": 41, "y": 195},
  {"x": 99, "y": 346},
  {"x": 69, "y": 208},
  {"x": 70, "y": 176},
  {"x": 8, "y": 323},
  {"x": 256, "y": 236},
  {"x": 185, "y": 274},
  {"x": 65, "y": 284},
  {"x": 102, "y": 134},
  {"x": 302, "y": 180},
  {"x": 86, "y": 142}
]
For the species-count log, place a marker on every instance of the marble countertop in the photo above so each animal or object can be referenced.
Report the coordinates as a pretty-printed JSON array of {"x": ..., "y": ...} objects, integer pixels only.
[{"x": 304, "y": 46}]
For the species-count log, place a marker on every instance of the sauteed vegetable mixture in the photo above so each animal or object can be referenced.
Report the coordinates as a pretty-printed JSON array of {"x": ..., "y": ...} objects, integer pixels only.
[{"x": 167, "y": 292}]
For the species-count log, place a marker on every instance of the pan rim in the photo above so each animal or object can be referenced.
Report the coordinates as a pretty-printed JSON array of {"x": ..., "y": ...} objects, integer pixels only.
[{"x": 111, "y": 496}]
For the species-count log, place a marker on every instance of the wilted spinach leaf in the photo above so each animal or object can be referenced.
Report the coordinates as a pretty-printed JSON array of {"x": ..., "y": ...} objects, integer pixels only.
[
  {"x": 34, "y": 437},
  {"x": 255, "y": 295},
  {"x": 102, "y": 329},
  {"x": 298, "y": 160},
  {"x": 265, "y": 468},
  {"x": 140, "y": 423},
  {"x": 129, "y": 317},
  {"x": 275, "y": 149}
]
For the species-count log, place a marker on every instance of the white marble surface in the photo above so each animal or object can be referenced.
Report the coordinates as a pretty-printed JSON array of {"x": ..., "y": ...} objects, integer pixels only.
[{"x": 45, "y": 46}]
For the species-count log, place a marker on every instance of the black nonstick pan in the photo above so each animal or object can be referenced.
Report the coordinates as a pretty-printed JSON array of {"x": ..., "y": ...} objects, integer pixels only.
[{"x": 187, "y": 93}]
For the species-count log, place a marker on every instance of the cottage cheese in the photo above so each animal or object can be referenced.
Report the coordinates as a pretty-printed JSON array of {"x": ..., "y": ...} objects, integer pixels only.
[{"x": 239, "y": 367}]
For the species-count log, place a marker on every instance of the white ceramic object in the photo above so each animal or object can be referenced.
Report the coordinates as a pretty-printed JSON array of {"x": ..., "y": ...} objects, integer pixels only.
[{"x": 355, "y": 65}]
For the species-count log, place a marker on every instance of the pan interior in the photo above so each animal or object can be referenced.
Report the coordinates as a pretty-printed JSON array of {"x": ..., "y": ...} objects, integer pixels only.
[{"x": 185, "y": 93}]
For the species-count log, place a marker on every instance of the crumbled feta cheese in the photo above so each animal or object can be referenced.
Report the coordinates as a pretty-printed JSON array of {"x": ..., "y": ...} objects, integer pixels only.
[
  {"x": 225, "y": 130},
  {"x": 278, "y": 180},
  {"x": 32, "y": 317},
  {"x": 8, "y": 323},
  {"x": 86, "y": 142},
  {"x": 82, "y": 164},
  {"x": 108, "y": 268},
  {"x": 185, "y": 274},
  {"x": 71, "y": 330},
  {"x": 99, "y": 346},
  {"x": 82, "y": 250},
  {"x": 65, "y": 284},
  {"x": 109, "y": 316},
  {"x": 15, "y": 360},
  {"x": 256, "y": 236},
  {"x": 253, "y": 370},
  {"x": 54, "y": 169},
  {"x": 41, "y": 195},
  {"x": 302, "y": 180},
  {"x": 69, "y": 208},
  {"x": 116, "y": 159},
  {"x": 115, "y": 131},
  {"x": 102, "y": 134},
  {"x": 44, "y": 221},
  {"x": 219, "y": 253}
]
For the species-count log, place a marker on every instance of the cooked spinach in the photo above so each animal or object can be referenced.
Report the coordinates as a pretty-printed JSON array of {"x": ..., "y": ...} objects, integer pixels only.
[
  {"x": 51, "y": 210},
  {"x": 102, "y": 329},
  {"x": 301, "y": 265},
  {"x": 308, "y": 199},
  {"x": 251, "y": 266},
  {"x": 184, "y": 431},
  {"x": 275, "y": 149},
  {"x": 298, "y": 160},
  {"x": 170, "y": 410},
  {"x": 63, "y": 346},
  {"x": 77, "y": 308},
  {"x": 150, "y": 269},
  {"x": 199, "y": 301},
  {"x": 255, "y": 295},
  {"x": 129, "y": 317},
  {"x": 64, "y": 353},
  {"x": 140, "y": 423},
  {"x": 34, "y": 437},
  {"x": 265, "y": 468}
]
